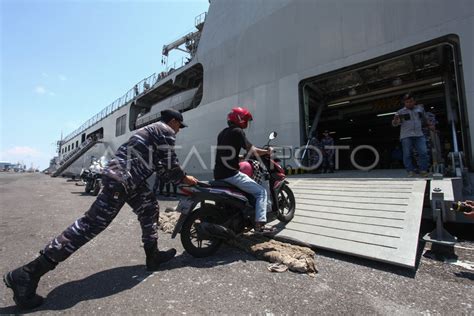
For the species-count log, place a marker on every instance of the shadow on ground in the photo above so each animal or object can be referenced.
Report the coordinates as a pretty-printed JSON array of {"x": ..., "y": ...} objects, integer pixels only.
[
  {"x": 101, "y": 284},
  {"x": 113, "y": 281},
  {"x": 465, "y": 274}
]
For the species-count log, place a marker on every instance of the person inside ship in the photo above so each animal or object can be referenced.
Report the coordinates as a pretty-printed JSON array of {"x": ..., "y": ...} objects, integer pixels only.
[
  {"x": 411, "y": 118},
  {"x": 327, "y": 143},
  {"x": 314, "y": 152},
  {"x": 229, "y": 143},
  {"x": 124, "y": 181}
]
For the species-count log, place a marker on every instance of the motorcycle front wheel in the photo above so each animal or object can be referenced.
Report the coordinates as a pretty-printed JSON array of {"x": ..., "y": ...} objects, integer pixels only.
[
  {"x": 286, "y": 204},
  {"x": 88, "y": 187},
  {"x": 97, "y": 187},
  {"x": 195, "y": 243}
]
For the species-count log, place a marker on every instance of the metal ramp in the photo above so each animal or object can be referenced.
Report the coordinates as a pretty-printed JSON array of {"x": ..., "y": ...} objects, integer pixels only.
[
  {"x": 373, "y": 218},
  {"x": 65, "y": 163}
]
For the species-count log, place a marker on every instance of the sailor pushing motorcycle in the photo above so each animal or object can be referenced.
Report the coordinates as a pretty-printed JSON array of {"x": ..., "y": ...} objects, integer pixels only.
[{"x": 124, "y": 181}]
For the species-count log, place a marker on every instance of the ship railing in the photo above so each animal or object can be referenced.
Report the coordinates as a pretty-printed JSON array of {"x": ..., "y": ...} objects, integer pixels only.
[
  {"x": 79, "y": 148},
  {"x": 170, "y": 68},
  {"x": 71, "y": 153},
  {"x": 137, "y": 90},
  {"x": 200, "y": 19},
  {"x": 145, "y": 120}
]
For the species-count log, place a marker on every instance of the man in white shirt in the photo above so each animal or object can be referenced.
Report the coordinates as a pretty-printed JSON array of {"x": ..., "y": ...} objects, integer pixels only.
[{"x": 411, "y": 119}]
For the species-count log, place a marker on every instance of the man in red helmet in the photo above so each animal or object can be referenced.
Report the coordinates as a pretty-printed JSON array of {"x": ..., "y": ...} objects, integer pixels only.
[{"x": 229, "y": 143}]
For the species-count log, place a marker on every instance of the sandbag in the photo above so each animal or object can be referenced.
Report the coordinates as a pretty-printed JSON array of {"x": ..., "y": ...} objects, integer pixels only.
[
  {"x": 295, "y": 258},
  {"x": 167, "y": 220}
]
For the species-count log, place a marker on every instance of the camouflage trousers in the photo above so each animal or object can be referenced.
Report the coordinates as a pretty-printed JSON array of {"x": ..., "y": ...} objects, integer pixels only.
[
  {"x": 100, "y": 215},
  {"x": 328, "y": 162}
]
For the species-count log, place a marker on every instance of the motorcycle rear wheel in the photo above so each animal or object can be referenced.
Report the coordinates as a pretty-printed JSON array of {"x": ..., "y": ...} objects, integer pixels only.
[
  {"x": 286, "y": 204},
  {"x": 200, "y": 246}
]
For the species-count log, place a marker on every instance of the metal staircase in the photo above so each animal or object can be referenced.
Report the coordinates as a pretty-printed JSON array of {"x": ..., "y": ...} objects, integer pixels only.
[{"x": 73, "y": 156}]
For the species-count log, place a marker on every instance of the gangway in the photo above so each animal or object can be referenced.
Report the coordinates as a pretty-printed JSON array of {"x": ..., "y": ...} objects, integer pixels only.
[
  {"x": 375, "y": 218},
  {"x": 73, "y": 156}
]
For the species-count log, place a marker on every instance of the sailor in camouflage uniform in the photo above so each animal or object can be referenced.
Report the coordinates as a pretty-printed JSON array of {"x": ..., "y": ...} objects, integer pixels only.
[
  {"x": 150, "y": 150},
  {"x": 314, "y": 152},
  {"x": 327, "y": 143}
]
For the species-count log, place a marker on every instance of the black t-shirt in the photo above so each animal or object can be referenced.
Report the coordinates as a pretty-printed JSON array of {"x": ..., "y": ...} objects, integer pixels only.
[{"x": 227, "y": 160}]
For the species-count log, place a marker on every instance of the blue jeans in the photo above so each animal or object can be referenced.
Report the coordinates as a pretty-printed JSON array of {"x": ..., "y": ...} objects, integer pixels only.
[
  {"x": 419, "y": 143},
  {"x": 246, "y": 184}
]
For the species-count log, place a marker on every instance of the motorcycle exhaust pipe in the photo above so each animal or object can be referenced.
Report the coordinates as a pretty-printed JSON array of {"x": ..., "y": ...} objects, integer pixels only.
[{"x": 213, "y": 230}]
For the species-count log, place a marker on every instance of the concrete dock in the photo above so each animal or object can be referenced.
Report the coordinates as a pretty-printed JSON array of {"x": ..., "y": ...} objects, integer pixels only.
[{"x": 107, "y": 275}]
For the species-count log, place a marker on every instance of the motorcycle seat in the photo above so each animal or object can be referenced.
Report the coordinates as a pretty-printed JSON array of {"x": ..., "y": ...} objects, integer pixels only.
[{"x": 222, "y": 184}]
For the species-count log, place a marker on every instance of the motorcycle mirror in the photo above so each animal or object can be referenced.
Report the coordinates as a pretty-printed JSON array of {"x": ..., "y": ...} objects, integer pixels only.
[{"x": 272, "y": 135}]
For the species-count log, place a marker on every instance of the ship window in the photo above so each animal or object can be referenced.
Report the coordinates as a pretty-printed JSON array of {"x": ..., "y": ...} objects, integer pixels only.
[
  {"x": 120, "y": 125},
  {"x": 72, "y": 146},
  {"x": 77, "y": 143},
  {"x": 68, "y": 147}
]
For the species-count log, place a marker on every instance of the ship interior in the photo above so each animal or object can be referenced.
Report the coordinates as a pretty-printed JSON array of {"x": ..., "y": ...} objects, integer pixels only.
[{"x": 357, "y": 106}]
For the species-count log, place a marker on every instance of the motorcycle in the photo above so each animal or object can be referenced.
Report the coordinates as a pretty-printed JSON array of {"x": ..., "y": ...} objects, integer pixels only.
[
  {"x": 92, "y": 177},
  {"x": 217, "y": 211}
]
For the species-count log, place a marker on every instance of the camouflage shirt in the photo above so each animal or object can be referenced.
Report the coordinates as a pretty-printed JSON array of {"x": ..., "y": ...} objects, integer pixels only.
[
  {"x": 327, "y": 141},
  {"x": 149, "y": 150}
]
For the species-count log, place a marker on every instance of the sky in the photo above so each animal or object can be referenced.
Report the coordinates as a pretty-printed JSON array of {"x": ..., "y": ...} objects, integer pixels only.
[{"x": 64, "y": 61}]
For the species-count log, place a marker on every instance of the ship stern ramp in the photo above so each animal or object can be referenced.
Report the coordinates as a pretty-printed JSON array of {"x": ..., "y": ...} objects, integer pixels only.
[{"x": 374, "y": 218}]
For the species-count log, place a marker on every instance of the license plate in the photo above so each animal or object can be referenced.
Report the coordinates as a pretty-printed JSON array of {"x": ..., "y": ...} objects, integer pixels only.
[{"x": 184, "y": 206}]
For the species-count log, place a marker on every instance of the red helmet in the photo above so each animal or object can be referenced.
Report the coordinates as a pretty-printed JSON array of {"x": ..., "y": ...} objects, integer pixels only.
[
  {"x": 239, "y": 117},
  {"x": 246, "y": 168}
]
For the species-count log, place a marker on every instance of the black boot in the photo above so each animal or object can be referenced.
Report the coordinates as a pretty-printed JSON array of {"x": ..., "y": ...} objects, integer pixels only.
[
  {"x": 154, "y": 257},
  {"x": 24, "y": 281}
]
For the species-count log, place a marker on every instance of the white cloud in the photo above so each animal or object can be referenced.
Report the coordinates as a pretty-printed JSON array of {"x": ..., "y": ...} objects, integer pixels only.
[
  {"x": 23, "y": 151},
  {"x": 40, "y": 90},
  {"x": 62, "y": 77},
  {"x": 26, "y": 155}
]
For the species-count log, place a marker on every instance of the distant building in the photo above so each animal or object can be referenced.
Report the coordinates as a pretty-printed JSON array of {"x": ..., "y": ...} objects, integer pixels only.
[{"x": 7, "y": 166}]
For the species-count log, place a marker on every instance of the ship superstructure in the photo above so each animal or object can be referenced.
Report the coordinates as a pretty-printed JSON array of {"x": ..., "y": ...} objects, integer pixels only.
[{"x": 302, "y": 67}]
